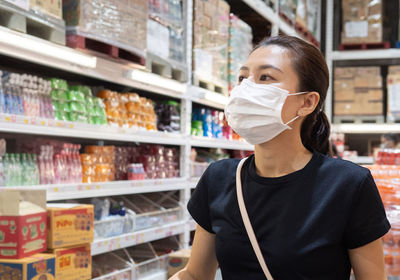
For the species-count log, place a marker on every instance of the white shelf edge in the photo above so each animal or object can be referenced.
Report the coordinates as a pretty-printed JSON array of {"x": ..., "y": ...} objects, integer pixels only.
[
  {"x": 39, "y": 126},
  {"x": 204, "y": 142},
  {"x": 109, "y": 70},
  {"x": 161, "y": 275},
  {"x": 366, "y": 128},
  {"x": 113, "y": 188},
  {"x": 362, "y": 160},
  {"x": 131, "y": 239},
  {"x": 193, "y": 182},
  {"x": 365, "y": 54},
  {"x": 206, "y": 97}
]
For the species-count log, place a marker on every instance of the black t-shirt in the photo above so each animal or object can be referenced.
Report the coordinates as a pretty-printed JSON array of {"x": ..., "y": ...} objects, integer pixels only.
[{"x": 304, "y": 221}]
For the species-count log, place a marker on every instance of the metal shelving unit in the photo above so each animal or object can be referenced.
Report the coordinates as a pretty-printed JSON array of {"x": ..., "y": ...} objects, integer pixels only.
[{"x": 24, "y": 47}]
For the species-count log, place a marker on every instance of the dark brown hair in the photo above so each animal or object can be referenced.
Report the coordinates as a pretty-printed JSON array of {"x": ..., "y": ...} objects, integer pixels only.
[{"x": 313, "y": 73}]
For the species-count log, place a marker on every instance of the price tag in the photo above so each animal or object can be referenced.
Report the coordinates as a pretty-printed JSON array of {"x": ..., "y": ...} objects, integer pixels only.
[
  {"x": 42, "y": 123},
  {"x": 50, "y": 123},
  {"x": 13, "y": 119},
  {"x": 26, "y": 121},
  {"x": 7, "y": 119},
  {"x": 97, "y": 187},
  {"x": 140, "y": 184},
  {"x": 58, "y": 124},
  {"x": 33, "y": 121},
  {"x": 55, "y": 190},
  {"x": 105, "y": 243},
  {"x": 88, "y": 188}
]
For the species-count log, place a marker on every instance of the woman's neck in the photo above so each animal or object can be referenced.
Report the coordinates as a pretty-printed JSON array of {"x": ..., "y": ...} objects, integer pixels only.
[{"x": 280, "y": 156}]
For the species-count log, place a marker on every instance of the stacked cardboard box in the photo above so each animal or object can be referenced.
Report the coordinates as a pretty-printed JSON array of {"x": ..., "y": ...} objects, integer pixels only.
[
  {"x": 125, "y": 26},
  {"x": 70, "y": 233},
  {"x": 361, "y": 21},
  {"x": 358, "y": 91},
  {"x": 48, "y": 7},
  {"x": 393, "y": 87},
  {"x": 210, "y": 42}
]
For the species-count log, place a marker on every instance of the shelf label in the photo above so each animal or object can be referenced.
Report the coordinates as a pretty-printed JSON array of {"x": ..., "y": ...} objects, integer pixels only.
[
  {"x": 33, "y": 121},
  {"x": 42, "y": 123},
  {"x": 55, "y": 189}
]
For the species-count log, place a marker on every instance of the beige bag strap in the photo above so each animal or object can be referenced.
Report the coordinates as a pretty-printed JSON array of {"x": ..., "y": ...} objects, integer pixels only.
[{"x": 247, "y": 223}]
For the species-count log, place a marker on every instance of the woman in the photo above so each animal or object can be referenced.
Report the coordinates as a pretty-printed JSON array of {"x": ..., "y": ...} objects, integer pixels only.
[{"x": 314, "y": 217}]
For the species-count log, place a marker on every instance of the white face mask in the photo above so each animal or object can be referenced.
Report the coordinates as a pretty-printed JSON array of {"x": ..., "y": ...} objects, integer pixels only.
[{"x": 254, "y": 111}]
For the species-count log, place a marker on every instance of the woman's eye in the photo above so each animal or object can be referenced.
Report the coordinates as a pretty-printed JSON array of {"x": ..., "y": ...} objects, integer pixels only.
[
  {"x": 241, "y": 78},
  {"x": 265, "y": 78}
]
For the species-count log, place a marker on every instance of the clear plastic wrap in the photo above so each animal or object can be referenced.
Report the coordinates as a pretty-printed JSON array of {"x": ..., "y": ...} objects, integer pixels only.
[
  {"x": 362, "y": 21},
  {"x": 111, "y": 266},
  {"x": 210, "y": 44},
  {"x": 240, "y": 45},
  {"x": 122, "y": 23}
]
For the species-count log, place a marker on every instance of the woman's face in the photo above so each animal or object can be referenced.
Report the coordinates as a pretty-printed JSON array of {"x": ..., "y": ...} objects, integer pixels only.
[{"x": 272, "y": 65}]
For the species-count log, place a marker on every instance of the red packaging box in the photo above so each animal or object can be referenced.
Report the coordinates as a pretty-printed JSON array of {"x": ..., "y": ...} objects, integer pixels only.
[{"x": 23, "y": 225}]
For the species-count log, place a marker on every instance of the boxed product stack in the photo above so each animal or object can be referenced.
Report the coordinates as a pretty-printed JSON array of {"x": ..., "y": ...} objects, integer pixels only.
[
  {"x": 98, "y": 164},
  {"x": 393, "y": 88},
  {"x": 23, "y": 225},
  {"x": 240, "y": 45},
  {"x": 211, "y": 38},
  {"x": 128, "y": 110},
  {"x": 70, "y": 232},
  {"x": 165, "y": 30},
  {"x": 51, "y": 8},
  {"x": 358, "y": 91},
  {"x": 124, "y": 27},
  {"x": 361, "y": 21}
]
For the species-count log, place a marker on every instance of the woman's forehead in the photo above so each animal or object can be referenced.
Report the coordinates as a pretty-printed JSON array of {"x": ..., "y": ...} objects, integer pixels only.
[{"x": 273, "y": 55}]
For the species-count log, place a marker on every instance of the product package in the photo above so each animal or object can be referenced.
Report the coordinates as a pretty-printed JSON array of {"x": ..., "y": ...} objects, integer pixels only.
[
  {"x": 36, "y": 267},
  {"x": 177, "y": 261},
  {"x": 358, "y": 91},
  {"x": 73, "y": 263},
  {"x": 48, "y": 7},
  {"x": 22, "y": 223},
  {"x": 240, "y": 45},
  {"x": 210, "y": 42},
  {"x": 69, "y": 224},
  {"x": 361, "y": 21},
  {"x": 393, "y": 88},
  {"x": 124, "y": 27}
]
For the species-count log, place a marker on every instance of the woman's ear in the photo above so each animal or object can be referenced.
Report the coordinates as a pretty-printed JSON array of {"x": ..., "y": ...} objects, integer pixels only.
[{"x": 310, "y": 102}]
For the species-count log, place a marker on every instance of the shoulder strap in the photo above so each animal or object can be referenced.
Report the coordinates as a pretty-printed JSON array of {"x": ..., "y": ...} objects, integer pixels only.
[{"x": 247, "y": 223}]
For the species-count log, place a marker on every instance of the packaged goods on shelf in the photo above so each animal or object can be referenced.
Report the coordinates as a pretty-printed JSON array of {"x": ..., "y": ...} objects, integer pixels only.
[
  {"x": 22, "y": 223},
  {"x": 287, "y": 8},
  {"x": 112, "y": 218},
  {"x": 302, "y": 13},
  {"x": 128, "y": 110},
  {"x": 47, "y": 7},
  {"x": 39, "y": 266},
  {"x": 177, "y": 261},
  {"x": 164, "y": 30},
  {"x": 73, "y": 262},
  {"x": 20, "y": 170},
  {"x": 358, "y": 91},
  {"x": 211, "y": 38},
  {"x": 393, "y": 99},
  {"x": 98, "y": 164},
  {"x": 362, "y": 21},
  {"x": 69, "y": 224},
  {"x": 386, "y": 178},
  {"x": 125, "y": 27},
  {"x": 313, "y": 9},
  {"x": 388, "y": 157},
  {"x": 168, "y": 116},
  {"x": 240, "y": 45}
]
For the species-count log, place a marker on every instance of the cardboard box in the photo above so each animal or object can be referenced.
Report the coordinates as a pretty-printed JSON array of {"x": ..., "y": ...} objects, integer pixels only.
[
  {"x": 36, "y": 267},
  {"x": 368, "y": 71},
  {"x": 48, "y": 7},
  {"x": 345, "y": 72},
  {"x": 69, "y": 224},
  {"x": 22, "y": 223},
  {"x": 375, "y": 94},
  {"x": 375, "y": 108},
  {"x": 74, "y": 263},
  {"x": 177, "y": 261}
]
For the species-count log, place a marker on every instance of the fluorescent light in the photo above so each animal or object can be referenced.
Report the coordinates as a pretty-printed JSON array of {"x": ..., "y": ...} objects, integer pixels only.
[
  {"x": 156, "y": 80},
  {"x": 44, "y": 48}
]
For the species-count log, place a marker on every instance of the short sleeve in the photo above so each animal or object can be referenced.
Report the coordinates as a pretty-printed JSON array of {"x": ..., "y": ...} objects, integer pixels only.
[
  {"x": 199, "y": 204},
  {"x": 367, "y": 221}
]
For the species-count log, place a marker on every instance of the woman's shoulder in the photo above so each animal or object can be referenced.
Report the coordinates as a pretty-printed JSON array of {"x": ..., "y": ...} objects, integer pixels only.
[
  {"x": 341, "y": 167},
  {"x": 223, "y": 167}
]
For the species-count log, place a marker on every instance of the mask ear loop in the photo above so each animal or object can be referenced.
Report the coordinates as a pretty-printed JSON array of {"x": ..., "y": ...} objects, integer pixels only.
[
  {"x": 292, "y": 120},
  {"x": 293, "y": 94}
]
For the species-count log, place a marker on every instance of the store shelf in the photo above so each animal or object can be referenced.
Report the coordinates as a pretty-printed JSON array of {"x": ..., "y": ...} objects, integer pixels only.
[
  {"x": 365, "y": 54},
  {"x": 192, "y": 225},
  {"x": 36, "y": 50},
  {"x": 204, "y": 142},
  {"x": 366, "y": 128},
  {"x": 193, "y": 182},
  {"x": 131, "y": 239},
  {"x": 363, "y": 160},
  {"x": 88, "y": 190},
  {"x": 206, "y": 97},
  {"x": 38, "y": 126}
]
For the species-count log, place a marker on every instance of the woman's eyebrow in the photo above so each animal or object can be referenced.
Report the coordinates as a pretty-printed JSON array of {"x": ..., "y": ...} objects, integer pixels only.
[
  {"x": 269, "y": 66},
  {"x": 244, "y": 68}
]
